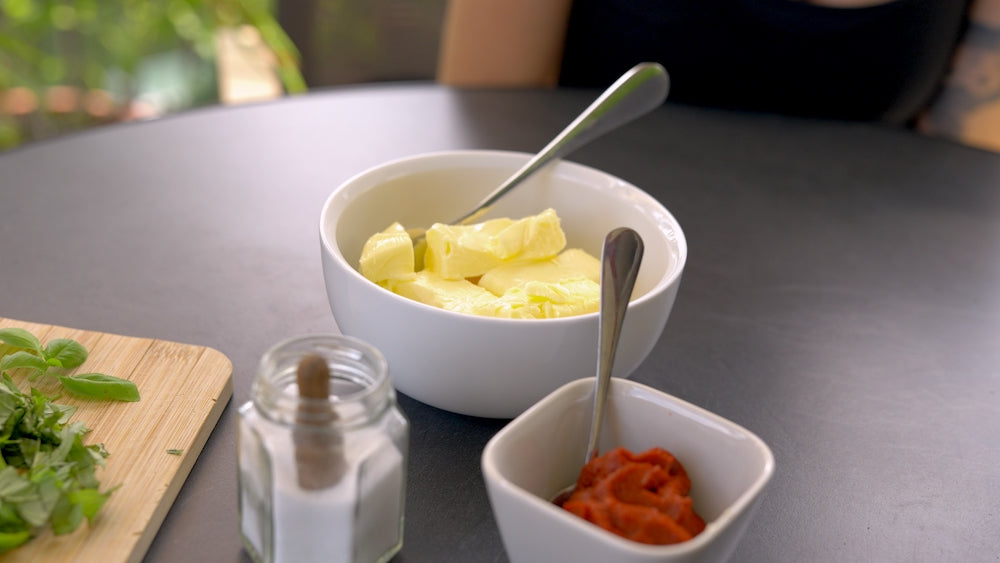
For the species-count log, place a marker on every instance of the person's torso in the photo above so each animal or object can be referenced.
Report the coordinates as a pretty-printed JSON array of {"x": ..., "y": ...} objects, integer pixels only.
[{"x": 876, "y": 63}]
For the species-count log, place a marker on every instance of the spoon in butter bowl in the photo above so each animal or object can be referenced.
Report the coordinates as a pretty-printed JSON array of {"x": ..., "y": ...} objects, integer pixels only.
[
  {"x": 641, "y": 89},
  {"x": 620, "y": 260}
]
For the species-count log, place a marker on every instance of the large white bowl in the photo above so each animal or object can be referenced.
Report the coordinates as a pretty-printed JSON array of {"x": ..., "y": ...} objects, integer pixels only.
[
  {"x": 541, "y": 452},
  {"x": 484, "y": 366}
]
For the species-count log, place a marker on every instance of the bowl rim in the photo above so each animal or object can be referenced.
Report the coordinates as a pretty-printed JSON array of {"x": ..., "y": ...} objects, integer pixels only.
[
  {"x": 621, "y": 386},
  {"x": 333, "y": 250}
]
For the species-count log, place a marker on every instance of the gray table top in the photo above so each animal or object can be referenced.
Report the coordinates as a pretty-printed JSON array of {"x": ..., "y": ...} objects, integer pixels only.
[{"x": 841, "y": 298}]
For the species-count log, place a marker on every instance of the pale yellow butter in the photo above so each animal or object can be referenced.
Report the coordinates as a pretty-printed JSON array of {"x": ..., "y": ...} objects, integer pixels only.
[
  {"x": 453, "y": 295},
  {"x": 521, "y": 267},
  {"x": 388, "y": 255},
  {"x": 545, "y": 300},
  {"x": 569, "y": 264},
  {"x": 468, "y": 251}
]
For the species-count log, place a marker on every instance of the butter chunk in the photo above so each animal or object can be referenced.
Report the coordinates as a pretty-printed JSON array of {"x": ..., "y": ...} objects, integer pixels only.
[
  {"x": 569, "y": 264},
  {"x": 522, "y": 268},
  {"x": 468, "y": 251},
  {"x": 544, "y": 300},
  {"x": 531, "y": 238},
  {"x": 388, "y": 255},
  {"x": 463, "y": 251},
  {"x": 454, "y": 295}
]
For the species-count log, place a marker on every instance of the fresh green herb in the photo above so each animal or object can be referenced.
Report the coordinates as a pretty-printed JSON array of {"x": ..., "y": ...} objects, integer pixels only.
[
  {"x": 47, "y": 474},
  {"x": 59, "y": 355},
  {"x": 100, "y": 386},
  {"x": 174, "y": 451}
]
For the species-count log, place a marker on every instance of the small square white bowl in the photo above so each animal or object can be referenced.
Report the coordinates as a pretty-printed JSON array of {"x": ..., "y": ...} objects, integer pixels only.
[{"x": 541, "y": 452}]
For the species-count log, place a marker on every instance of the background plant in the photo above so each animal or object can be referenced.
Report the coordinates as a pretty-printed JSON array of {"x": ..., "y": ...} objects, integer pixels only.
[{"x": 105, "y": 46}]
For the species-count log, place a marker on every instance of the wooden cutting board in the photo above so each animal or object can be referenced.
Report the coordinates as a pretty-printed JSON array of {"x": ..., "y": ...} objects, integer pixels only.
[{"x": 184, "y": 390}]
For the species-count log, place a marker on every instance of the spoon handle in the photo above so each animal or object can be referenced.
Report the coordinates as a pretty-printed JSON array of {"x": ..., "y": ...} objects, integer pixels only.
[
  {"x": 640, "y": 90},
  {"x": 620, "y": 261}
]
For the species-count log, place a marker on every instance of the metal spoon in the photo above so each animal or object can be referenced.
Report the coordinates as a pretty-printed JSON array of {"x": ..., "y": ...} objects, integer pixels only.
[
  {"x": 620, "y": 260},
  {"x": 641, "y": 89}
]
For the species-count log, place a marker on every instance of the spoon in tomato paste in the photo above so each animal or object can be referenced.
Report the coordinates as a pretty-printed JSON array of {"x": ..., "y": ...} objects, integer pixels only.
[{"x": 620, "y": 260}]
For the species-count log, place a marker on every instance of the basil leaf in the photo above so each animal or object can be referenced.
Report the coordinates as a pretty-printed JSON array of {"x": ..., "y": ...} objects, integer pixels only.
[
  {"x": 10, "y": 520},
  {"x": 89, "y": 500},
  {"x": 20, "y": 338},
  {"x": 12, "y": 483},
  {"x": 23, "y": 359},
  {"x": 10, "y": 540},
  {"x": 65, "y": 353},
  {"x": 66, "y": 516},
  {"x": 47, "y": 474},
  {"x": 34, "y": 511},
  {"x": 101, "y": 386}
]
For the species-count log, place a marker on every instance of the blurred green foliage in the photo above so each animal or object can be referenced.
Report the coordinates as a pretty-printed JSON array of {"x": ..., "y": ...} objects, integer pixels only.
[{"x": 110, "y": 45}]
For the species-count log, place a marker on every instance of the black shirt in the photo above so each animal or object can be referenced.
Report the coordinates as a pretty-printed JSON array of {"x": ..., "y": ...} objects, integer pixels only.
[{"x": 876, "y": 63}]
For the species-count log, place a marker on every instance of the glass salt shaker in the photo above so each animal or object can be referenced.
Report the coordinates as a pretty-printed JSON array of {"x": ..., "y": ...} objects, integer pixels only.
[{"x": 322, "y": 450}]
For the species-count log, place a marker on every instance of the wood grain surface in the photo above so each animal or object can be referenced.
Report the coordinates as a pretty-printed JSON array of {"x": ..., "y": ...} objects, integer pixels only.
[{"x": 184, "y": 389}]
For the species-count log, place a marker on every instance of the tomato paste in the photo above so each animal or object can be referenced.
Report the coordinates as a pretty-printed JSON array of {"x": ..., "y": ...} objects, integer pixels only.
[{"x": 642, "y": 497}]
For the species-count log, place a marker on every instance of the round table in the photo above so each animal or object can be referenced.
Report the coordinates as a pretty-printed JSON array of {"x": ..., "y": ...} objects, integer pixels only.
[{"x": 841, "y": 299}]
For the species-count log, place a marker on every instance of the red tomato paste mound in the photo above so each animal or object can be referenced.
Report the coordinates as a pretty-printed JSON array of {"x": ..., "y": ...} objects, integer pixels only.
[{"x": 642, "y": 497}]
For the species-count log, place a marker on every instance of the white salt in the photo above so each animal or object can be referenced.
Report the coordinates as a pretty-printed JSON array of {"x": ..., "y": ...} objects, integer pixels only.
[{"x": 355, "y": 521}]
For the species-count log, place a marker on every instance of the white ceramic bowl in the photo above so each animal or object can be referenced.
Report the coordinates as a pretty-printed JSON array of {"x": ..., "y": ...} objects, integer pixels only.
[
  {"x": 541, "y": 452},
  {"x": 485, "y": 366}
]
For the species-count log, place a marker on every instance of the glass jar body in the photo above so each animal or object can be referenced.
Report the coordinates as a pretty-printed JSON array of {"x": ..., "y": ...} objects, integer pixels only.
[{"x": 355, "y": 516}]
